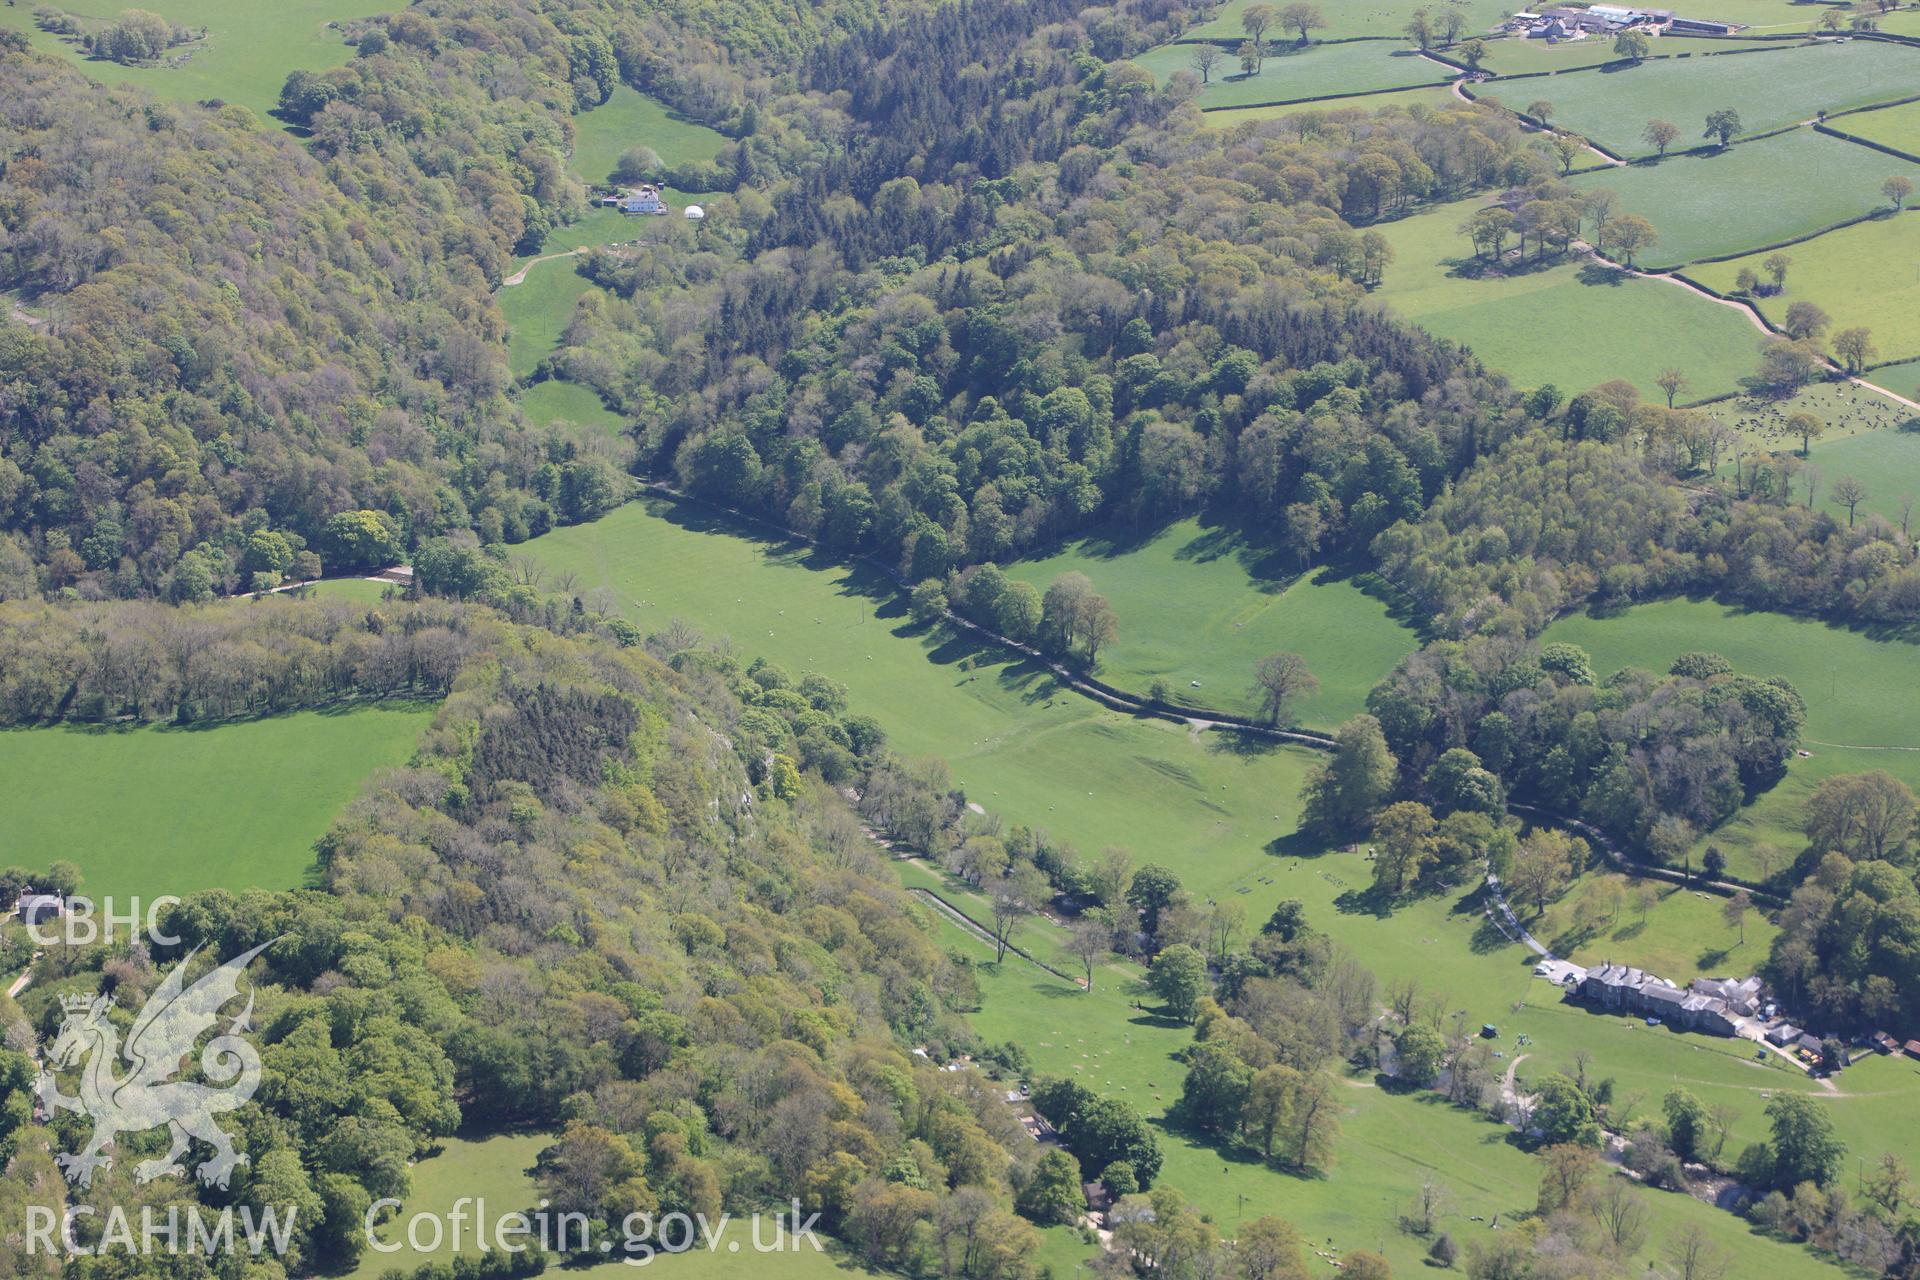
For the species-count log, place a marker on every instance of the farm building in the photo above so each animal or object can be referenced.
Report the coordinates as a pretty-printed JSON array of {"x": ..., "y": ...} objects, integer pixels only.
[
  {"x": 1600, "y": 20},
  {"x": 1570, "y": 23},
  {"x": 32, "y": 907},
  {"x": 1913, "y": 1048},
  {"x": 642, "y": 201},
  {"x": 1712, "y": 1005},
  {"x": 1741, "y": 995},
  {"x": 1703, "y": 27}
]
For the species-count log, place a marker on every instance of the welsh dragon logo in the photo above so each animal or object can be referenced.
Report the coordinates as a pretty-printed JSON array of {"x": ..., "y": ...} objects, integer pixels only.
[{"x": 147, "y": 1096}]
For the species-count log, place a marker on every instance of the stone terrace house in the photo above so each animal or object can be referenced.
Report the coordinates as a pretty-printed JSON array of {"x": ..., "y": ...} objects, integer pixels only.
[{"x": 1716, "y": 1006}]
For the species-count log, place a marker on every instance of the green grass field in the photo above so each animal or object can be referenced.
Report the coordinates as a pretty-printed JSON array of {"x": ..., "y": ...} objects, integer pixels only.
[
  {"x": 1847, "y": 411},
  {"x": 632, "y": 119},
  {"x": 1773, "y": 16},
  {"x": 1751, "y": 195},
  {"x": 1859, "y": 691},
  {"x": 358, "y": 590},
  {"x": 596, "y": 228},
  {"x": 1516, "y": 56},
  {"x": 1020, "y": 744},
  {"x": 538, "y": 310},
  {"x": 1630, "y": 328},
  {"x": 1201, "y": 604},
  {"x": 497, "y": 1169},
  {"x": 250, "y": 48},
  {"x": 1863, "y": 439},
  {"x": 1437, "y": 97},
  {"x": 1888, "y": 462},
  {"x": 1867, "y": 274},
  {"x": 1350, "y": 18},
  {"x": 1905, "y": 22},
  {"x": 1681, "y": 937},
  {"x": 557, "y": 401},
  {"x": 1896, "y": 127},
  {"x": 1293, "y": 74},
  {"x": 1901, "y": 379},
  {"x": 152, "y": 811},
  {"x": 1769, "y": 89}
]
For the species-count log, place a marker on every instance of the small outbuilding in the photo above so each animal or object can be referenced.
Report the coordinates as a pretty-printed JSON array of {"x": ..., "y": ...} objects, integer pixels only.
[{"x": 33, "y": 908}]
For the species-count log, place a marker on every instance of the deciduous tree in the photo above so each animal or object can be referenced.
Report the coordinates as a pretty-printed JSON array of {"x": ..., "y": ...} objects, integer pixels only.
[
  {"x": 1855, "y": 348},
  {"x": 1279, "y": 679},
  {"x": 1302, "y": 18},
  {"x": 1178, "y": 976}
]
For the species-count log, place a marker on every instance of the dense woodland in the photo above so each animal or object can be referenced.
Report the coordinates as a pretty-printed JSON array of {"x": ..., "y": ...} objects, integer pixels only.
[{"x": 1652, "y": 759}]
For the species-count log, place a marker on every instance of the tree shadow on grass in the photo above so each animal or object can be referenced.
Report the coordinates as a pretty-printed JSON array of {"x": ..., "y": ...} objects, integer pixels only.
[
  {"x": 1600, "y": 275},
  {"x": 1570, "y": 939},
  {"x": 1033, "y": 681},
  {"x": 1228, "y": 741},
  {"x": 1105, "y": 542},
  {"x": 1157, "y": 1021},
  {"x": 1474, "y": 267},
  {"x": 1298, "y": 845},
  {"x": 1904, "y": 632},
  {"x": 1400, "y": 606},
  {"x": 1229, "y": 1152},
  {"x": 1222, "y": 533},
  {"x": 1211, "y": 544},
  {"x": 948, "y": 646},
  {"x": 1370, "y": 901},
  {"x": 1471, "y": 903},
  {"x": 1271, "y": 569},
  {"x": 979, "y": 658}
]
